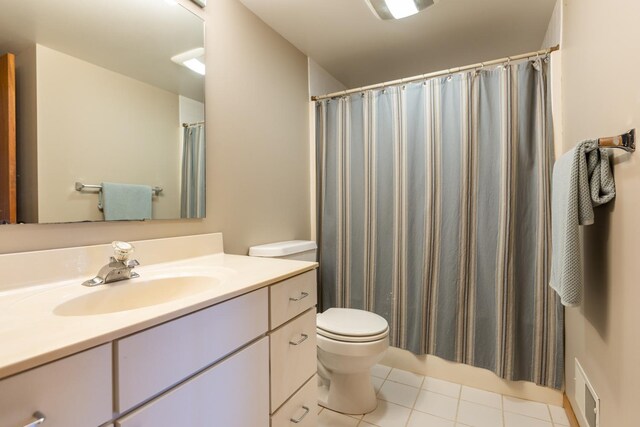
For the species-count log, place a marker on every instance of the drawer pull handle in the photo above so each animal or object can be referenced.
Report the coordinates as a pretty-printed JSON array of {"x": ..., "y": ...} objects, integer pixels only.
[
  {"x": 303, "y": 338},
  {"x": 302, "y": 296},
  {"x": 301, "y": 417},
  {"x": 38, "y": 419}
]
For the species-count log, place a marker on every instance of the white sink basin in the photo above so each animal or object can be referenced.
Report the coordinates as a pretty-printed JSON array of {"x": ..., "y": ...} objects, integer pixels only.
[{"x": 135, "y": 293}]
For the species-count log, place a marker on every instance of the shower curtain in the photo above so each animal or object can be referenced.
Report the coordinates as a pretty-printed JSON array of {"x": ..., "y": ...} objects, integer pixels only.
[
  {"x": 192, "y": 198},
  {"x": 434, "y": 212}
]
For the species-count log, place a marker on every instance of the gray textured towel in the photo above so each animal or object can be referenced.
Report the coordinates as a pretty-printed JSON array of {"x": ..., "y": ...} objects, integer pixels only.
[
  {"x": 126, "y": 201},
  {"x": 582, "y": 179}
]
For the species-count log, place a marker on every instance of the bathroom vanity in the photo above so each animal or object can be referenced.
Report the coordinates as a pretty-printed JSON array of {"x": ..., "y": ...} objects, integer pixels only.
[{"x": 238, "y": 350}]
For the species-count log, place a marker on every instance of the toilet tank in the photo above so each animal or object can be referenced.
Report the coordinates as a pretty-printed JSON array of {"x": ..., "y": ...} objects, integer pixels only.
[{"x": 301, "y": 250}]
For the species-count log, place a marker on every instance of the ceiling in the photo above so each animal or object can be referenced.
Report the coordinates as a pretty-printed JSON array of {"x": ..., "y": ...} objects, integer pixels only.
[
  {"x": 347, "y": 40},
  {"x": 136, "y": 38}
]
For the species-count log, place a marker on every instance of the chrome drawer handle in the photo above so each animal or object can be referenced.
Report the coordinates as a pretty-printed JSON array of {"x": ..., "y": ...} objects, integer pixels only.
[
  {"x": 302, "y": 296},
  {"x": 38, "y": 419},
  {"x": 303, "y": 338},
  {"x": 301, "y": 417}
]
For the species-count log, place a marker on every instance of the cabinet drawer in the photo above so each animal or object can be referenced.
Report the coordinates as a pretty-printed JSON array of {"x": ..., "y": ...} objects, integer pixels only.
[
  {"x": 292, "y": 297},
  {"x": 302, "y": 407},
  {"x": 233, "y": 393},
  {"x": 152, "y": 361},
  {"x": 293, "y": 357},
  {"x": 74, "y": 391}
]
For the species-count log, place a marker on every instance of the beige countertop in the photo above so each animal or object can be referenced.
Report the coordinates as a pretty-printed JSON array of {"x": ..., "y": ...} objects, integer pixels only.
[{"x": 33, "y": 331}]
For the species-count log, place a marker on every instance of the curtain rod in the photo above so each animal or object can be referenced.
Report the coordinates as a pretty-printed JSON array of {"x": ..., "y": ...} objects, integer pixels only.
[{"x": 438, "y": 73}]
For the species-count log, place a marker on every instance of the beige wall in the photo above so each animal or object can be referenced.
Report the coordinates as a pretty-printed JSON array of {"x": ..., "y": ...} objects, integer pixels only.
[
  {"x": 139, "y": 144},
  {"x": 321, "y": 82},
  {"x": 257, "y": 145},
  {"x": 601, "y": 96},
  {"x": 553, "y": 36}
]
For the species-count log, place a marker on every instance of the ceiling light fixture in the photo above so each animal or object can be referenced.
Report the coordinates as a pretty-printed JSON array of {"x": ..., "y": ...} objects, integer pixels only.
[
  {"x": 397, "y": 9},
  {"x": 192, "y": 59}
]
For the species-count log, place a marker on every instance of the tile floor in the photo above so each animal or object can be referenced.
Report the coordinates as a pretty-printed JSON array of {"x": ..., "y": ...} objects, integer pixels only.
[{"x": 406, "y": 399}]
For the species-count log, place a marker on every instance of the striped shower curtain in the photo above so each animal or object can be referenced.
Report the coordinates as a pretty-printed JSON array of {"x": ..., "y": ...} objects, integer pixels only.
[
  {"x": 193, "y": 182},
  {"x": 434, "y": 212}
]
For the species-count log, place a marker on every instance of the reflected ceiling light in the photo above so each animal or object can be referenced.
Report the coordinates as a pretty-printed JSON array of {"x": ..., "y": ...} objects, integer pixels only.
[
  {"x": 398, "y": 9},
  {"x": 192, "y": 59}
]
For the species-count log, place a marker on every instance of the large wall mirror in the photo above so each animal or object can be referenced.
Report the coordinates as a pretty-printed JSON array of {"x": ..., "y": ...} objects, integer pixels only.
[{"x": 107, "y": 92}]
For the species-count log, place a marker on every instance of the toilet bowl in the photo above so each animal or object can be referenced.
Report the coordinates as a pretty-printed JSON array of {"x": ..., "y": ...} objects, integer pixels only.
[{"x": 350, "y": 342}]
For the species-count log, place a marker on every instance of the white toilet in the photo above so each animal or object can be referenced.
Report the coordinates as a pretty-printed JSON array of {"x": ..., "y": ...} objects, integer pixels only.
[{"x": 350, "y": 342}]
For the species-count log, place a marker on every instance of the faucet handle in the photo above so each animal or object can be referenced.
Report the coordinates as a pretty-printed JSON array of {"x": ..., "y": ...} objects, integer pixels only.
[{"x": 122, "y": 250}]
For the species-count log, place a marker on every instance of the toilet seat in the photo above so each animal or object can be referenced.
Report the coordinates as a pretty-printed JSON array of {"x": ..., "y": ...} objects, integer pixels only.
[
  {"x": 351, "y": 325},
  {"x": 347, "y": 338}
]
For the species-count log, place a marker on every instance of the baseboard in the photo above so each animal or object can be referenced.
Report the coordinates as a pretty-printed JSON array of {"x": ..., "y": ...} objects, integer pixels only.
[
  {"x": 573, "y": 420},
  {"x": 469, "y": 375}
]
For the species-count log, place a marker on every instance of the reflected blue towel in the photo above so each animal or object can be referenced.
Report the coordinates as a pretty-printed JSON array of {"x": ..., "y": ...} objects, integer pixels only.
[
  {"x": 582, "y": 179},
  {"x": 126, "y": 201}
]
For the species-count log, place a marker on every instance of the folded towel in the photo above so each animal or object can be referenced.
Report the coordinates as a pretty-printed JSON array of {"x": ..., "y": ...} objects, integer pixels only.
[
  {"x": 126, "y": 201},
  {"x": 582, "y": 179}
]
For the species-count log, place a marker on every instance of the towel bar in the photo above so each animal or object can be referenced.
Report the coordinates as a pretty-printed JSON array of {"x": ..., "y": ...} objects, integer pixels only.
[
  {"x": 80, "y": 186},
  {"x": 627, "y": 141}
]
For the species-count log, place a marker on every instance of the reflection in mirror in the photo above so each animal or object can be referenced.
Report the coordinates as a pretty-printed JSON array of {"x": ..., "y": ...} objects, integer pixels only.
[{"x": 109, "y": 113}]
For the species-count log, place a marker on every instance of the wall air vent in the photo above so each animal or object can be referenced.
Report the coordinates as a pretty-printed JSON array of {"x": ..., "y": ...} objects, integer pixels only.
[{"x": 587, "y": 399}]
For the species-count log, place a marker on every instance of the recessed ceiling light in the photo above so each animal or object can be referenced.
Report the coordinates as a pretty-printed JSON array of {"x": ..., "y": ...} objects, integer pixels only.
[
  {"x": 397, "y": 9},
  {"x": 192, "y": 59}
]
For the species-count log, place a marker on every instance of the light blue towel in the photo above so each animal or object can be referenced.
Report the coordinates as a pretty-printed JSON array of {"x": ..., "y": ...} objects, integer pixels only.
[
  {"x": 582, "y": 179},
  {"x": 126, "y": 201}
]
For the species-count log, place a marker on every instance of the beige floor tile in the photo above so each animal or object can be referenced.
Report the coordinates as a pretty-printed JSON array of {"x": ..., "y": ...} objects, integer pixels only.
[
  {"x": 405, "y": 377},
  {"x": 518, "y": 420},
  {"x": 329, "y": 418},
  {"x": 558, "y": 415},
  {"x": 441, "y": 386},
  {"x": 437, "y": 404},
  {"x": 380, "y": 371},
  {"x": 420, "y": 419},
  {"x": 397, "y": 393},
  {"x": 526, "y": 407},
  {"x": 482, "y": 397},
  {"x": 477, "y": 415},
  {"x": 388, "y": 414}
]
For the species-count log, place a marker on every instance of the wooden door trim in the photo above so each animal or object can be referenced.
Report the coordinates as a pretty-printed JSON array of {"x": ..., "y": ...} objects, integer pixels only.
[{"x": 8, "y": 210}]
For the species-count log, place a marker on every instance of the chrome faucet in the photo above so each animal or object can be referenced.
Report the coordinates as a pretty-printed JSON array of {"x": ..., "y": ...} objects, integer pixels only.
[{"x": 119, "y": 268}]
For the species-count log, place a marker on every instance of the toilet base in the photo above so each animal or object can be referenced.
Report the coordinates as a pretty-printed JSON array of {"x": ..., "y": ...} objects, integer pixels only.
[{"x": 348, "y": 393}]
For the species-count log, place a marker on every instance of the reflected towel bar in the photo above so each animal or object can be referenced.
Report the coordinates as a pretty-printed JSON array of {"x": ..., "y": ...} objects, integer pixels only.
[
  {"x": 627, "y": 141},
  {"x": 80, "y": 186}
]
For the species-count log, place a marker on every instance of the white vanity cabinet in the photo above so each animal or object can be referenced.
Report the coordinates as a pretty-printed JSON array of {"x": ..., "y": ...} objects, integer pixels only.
[
  {"x": 71, "y": 392},
  {"x": 152, "y": 361},
  {"x": 231, "y": 393},
  {"x": 293, "y": 351},
  {"x": 195, "y": 370},
  {"x": 249, "y": 361}
]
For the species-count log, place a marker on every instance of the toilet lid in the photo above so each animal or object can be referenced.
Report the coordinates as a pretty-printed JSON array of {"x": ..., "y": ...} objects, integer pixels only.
[{"x": 348, "y": 323}]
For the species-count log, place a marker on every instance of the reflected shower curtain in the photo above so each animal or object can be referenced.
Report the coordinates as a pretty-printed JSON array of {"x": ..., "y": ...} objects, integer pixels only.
[
  {"x": 434, "y": 212},
  {"x": 193, "y": 188}
]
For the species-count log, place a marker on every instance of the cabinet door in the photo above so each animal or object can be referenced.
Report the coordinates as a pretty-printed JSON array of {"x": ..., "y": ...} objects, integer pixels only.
[
  {"x": 71, "y": 392},
  {"x": 293, "y": 357},
  {"x": 291, "y": 297},
  {"x": 152, "y": 361},
  {"x": 232, "y": 393},
  {"x": 301, "y": 409}
]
